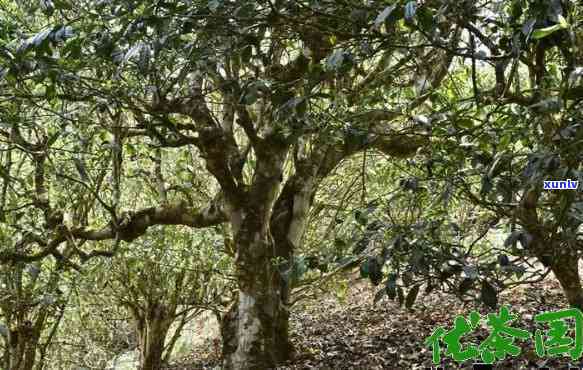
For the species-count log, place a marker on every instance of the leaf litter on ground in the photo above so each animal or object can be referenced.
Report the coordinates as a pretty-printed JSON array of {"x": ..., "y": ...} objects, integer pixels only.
[{"x": 357, "y": 334}]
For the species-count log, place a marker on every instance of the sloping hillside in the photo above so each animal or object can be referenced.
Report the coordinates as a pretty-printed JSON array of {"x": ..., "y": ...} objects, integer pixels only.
[{"x": 356, "y": 334}]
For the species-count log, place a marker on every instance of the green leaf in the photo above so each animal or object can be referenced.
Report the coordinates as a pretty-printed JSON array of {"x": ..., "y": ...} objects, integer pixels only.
[
  {"x": 505, "y": 140},
  {"x": 412, "y": 296},
  {"x": 465, "y": 285},
  {"x": 246, "y": 53},
  {"x": 410, "y": 10},
  {"x": 400, "y": 296},
  {"x": 547, "y": 31},
  {"x": 375, "y": 273},
  {"x": 495, "y": 169},
  {"x": 48, "y": 299},
  {"x": 516, "y": 9},
  {"x": 503, "y": 260},
  {"x": 247, "y": 10},
  {"x": 512, "y": 238},
  {"x": 63, "y": 33},
  {"x": 301, "y": 107},
  {"x": 489, "y": 295},
  {"x": 62, "y": 4},
  {"x": 361, "y": 245},
  {"x": 525, "y": 239},
  {"x": 50, "y": 91},
  {"x": 391, "y": 286},
  {"x": 41, "y": 37},
  {"x": 131, "y": 150},
  {"x": 487, "y": 185},
  {"x": 563, "y": 22},
  {"x": 48, "y": 7},
  {"x": 339, "y": 243},
  {"x": 382, "y": 17},
  {"x": 53, "y": 138},
  {"x": 334, "y": 61},
  {"x": 250, "y": 96},
  {"x": 33, "y": 270},
  {"x": 425, "y": 18},
  {"x": 361, "y": 217},
  {"x": 213, "y": 5},
  {"x": 379, "y": 295},
  {"x": 299, "y": 268},
  {"x": 364, "y": 269}
]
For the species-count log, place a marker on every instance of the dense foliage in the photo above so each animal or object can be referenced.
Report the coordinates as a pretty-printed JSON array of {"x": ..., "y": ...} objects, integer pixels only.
[{"x": 159, "y": 159}]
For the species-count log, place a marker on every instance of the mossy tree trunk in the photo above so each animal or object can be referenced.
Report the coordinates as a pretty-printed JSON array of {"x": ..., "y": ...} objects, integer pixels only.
[{"x": 153, "y": 328}]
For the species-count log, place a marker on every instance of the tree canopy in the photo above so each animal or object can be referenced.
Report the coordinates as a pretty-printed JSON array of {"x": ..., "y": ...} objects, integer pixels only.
[{"x": 234, "y": 156}]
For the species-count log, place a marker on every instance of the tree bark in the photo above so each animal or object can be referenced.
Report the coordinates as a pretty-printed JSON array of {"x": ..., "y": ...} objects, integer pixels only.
[
  {"x": 252, "y": 336},
  {"x": 566, "y": 270},
  {"x": 282, "y": 236},
  {"x": 153, "y": 328},
  {"x": 255, "y": 329},
  {"x": 228, "y": 325},
  {"x": 23, "y": 343},
  {"x": 562, "y": 259},
  {"x": 288, "y": 223},
  {"x": 273, "y": 291},
  {"x": 258, "y": 309}
]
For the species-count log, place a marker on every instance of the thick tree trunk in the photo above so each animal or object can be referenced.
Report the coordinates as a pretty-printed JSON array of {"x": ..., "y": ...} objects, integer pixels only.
[
  {"x": 23, "y": 343},
  {"x": 287, "y": 224},
  {"x": 152, "y": 336},
  {"x": 566, "y": 270},
  {"x": 284, "y": 349},
  {"x": 254, "y": 330},
  {"x": 256, "y": 343},
  {"x": 562, "y": 260},
  {"x": 151, "y": 351},
  {"x": 229, "y": 330},
  {"x": 268, "y": 231},
  {"x": 281, "y": 349}
]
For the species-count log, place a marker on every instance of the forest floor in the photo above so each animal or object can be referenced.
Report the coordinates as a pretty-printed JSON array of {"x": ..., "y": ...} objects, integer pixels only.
[{"x": 356, "y": 334}]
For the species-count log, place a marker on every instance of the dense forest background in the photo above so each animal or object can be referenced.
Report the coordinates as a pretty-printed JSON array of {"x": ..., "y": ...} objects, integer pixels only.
[{"x": 166, "y": 161}]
